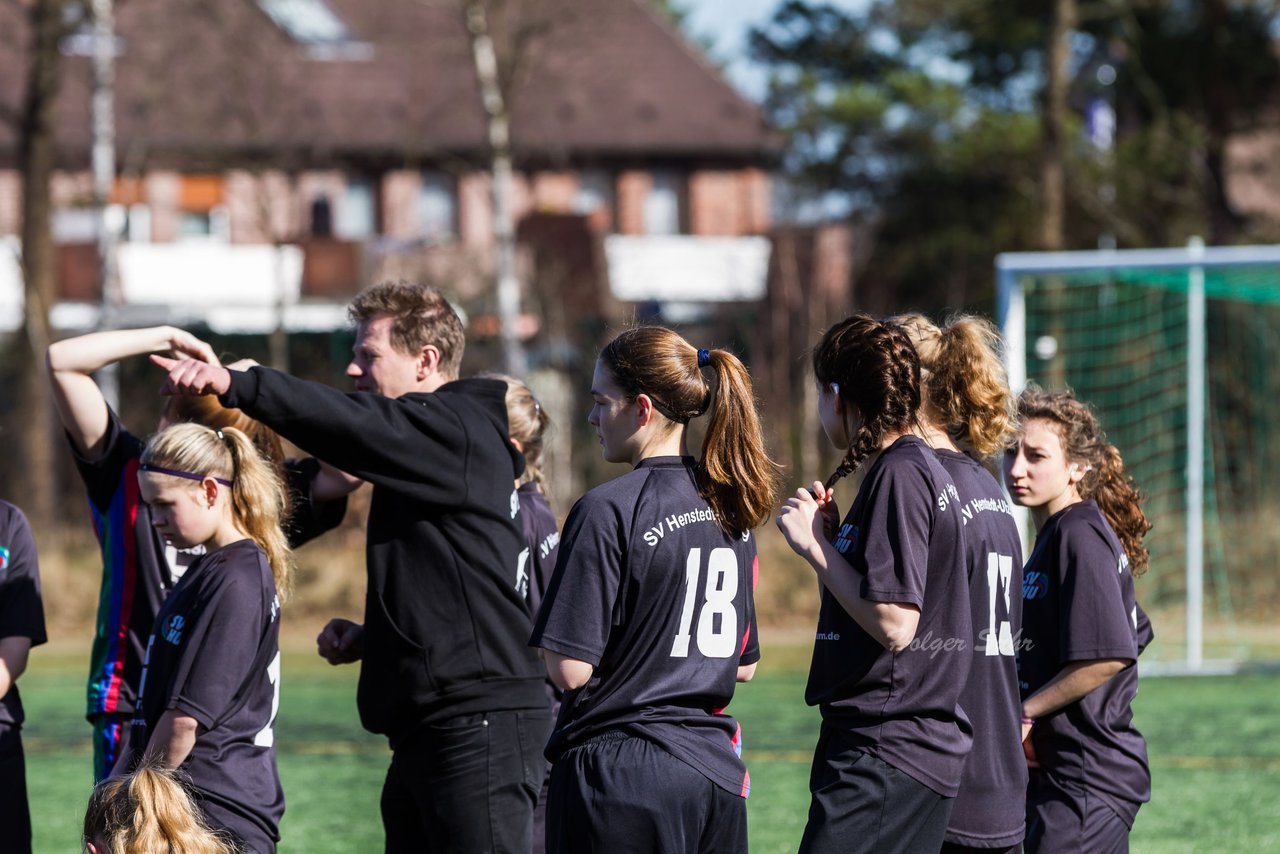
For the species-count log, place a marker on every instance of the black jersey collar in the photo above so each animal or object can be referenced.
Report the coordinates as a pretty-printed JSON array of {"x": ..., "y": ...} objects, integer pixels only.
[{"x": 666, "y": 462}]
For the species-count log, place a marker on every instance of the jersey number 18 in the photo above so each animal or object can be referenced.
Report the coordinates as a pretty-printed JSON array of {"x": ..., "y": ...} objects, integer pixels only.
[{"x": 717, "y": 638}]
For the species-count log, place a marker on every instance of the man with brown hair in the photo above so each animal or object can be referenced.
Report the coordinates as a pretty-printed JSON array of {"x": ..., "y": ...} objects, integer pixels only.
[{"x": 446, "y": 673}]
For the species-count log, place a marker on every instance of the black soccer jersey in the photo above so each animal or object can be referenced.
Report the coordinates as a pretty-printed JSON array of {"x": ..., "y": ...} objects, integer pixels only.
[
  {"x": 989, "y": 809},
  {"x": 542, "y": 539},
  {"x": 215, "y": 656},
  {"x": 904, "y": 537},
  {"x": 21, "y": 607},
  {"x": 1079, "y": 605},
  {"x": 651, "y": 591}
]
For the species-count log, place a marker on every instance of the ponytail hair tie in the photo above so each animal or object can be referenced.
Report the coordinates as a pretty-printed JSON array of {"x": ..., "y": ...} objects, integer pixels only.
[
  {"x": 704, "y": 358},
  {"x": 221, "y": 438}
]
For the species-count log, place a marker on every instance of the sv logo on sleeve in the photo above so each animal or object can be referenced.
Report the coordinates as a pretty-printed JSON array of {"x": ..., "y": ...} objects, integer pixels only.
[{"x": 173, "y": 629}]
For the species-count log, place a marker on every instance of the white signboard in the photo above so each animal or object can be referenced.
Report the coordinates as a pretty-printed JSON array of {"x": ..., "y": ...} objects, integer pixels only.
[
  {"x": 209, "y": 274},
  {"x": 11, "y": 296},
  {"x": 687, "y": 269}
]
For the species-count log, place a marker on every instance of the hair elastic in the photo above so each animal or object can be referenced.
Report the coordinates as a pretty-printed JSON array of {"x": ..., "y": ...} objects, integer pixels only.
[
  {"x": 704, "y": 357},
  {"x": 176, "y": 473}
]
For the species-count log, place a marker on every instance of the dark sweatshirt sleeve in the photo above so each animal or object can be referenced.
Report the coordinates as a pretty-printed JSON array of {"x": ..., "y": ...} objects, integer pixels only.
[{"x": 416, "y": 447}]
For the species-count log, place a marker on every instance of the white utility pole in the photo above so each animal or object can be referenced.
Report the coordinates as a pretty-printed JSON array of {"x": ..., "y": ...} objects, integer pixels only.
[
  {"x": 104, "y": 176},
  {"x": 504, "y": 225}
]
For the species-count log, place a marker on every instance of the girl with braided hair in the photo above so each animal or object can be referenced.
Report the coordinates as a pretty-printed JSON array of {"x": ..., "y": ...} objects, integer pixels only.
[
  {"x": 1083, "y": 629},
  {"x": 891, "y": 654},
  {"x": 650, "y": 617},
  {"x": 210, "y": 684}
]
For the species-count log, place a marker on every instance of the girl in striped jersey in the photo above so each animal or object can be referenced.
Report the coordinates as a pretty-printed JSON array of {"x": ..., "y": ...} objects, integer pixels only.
[{"x": 138, "y": 568}]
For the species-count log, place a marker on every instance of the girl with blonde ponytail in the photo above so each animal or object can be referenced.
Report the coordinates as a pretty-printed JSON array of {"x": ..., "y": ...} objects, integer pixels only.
[
  {"x": 527, "y": 424},
  {"x": 651, "y": 611},
  {"x": 1083, "y": 628},
  {"x": 147, "y": 812},
  {"x": 892, "y": 647},
  {"x": 966, "y": 415},
  {"x": 211, "y": 679}
]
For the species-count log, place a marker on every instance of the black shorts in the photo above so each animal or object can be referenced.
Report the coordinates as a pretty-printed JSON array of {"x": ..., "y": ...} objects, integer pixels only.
[
  {"x": 15, "y": 818},
  {"x": 955, "y": 848},
  {"x": 861, "y": 803},
  {"x": 622, "y": 794},
  {"x": 1066, "y": 819}
]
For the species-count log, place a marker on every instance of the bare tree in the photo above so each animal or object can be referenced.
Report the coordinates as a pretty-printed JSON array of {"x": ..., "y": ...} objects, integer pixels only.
[
  {"x": 47, "y": 26},
  {"x": 500, "y": 68},
  {"x": 1053, "y": 150}
]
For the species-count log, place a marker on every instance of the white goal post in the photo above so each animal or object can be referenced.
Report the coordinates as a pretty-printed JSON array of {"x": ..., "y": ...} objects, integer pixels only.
[{"x": 1011, "y": 271}]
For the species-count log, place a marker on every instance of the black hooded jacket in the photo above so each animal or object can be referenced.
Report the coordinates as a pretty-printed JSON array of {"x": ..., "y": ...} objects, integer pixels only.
[{"x": 445, "y": 626}]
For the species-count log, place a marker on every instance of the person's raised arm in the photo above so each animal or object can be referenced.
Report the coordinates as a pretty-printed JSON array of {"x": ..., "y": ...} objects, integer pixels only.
[
  {"x": 71, "y": 363},
  {"x": 382, "y": 440},
  {"x": 330, "y": 483}
]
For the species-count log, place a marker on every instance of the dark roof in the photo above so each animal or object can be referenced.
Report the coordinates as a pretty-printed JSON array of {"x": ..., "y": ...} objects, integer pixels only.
[{"x": 220, "y": 81}]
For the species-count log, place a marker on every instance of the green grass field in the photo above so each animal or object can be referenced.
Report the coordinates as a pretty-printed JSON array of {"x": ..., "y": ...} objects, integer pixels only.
[{"x": 1214, "y": 743}]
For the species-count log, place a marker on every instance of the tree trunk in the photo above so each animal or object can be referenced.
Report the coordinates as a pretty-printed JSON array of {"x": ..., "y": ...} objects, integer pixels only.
[
  {"x": 36, "y": 161},
  {"x": 1053, "y": 150},
  {"x": 1224, "y": 222}
]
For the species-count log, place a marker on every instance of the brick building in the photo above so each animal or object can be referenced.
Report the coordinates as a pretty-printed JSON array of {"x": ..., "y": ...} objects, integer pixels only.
[{"x": 354, "y": 129}]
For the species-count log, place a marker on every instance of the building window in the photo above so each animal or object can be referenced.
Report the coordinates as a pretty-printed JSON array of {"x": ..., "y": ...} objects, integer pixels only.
[
  {"x": 193, "y": 225},
  {"x": 595, "y": 192},
  {"x": 664, "y": 204},
  {"x": 138, "y": 227},
  {"x": 437, "y": 207},
  {"x": 315, "y": 26},
  {"x": 357, "y": 214},
  {"x": 201, "y": 211}
]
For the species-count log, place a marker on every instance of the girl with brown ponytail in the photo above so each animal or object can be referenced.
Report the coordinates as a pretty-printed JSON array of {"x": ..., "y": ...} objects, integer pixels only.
[
  {"x": 211, "y": 681},
  {"x": 1083, "y": 629},
  {"x": 967, "y": 414},
  {"x": 892, "y": 647},
  {"x": 147, "y": 812},
  {"x": 650, "y": 617}
]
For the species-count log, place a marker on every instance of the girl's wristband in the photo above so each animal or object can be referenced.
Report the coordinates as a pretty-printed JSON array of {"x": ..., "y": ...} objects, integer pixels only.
[{"x": 1028, "y": 721}]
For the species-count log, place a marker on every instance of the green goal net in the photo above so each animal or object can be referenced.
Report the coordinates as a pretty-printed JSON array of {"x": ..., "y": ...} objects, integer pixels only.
[{"x": 1176, "y": 350}]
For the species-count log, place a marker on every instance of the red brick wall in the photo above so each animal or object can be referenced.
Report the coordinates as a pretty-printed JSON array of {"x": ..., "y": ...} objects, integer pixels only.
[
  {"x": 728, "y": 203},
  {"x": 553, "y": 192},
  {"x": 633, "y": 186}
]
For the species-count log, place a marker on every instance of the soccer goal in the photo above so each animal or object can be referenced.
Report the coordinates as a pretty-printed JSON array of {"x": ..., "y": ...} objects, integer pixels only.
[{"x": 1178, "y": 350}]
